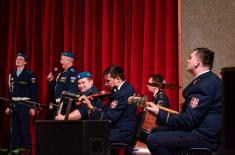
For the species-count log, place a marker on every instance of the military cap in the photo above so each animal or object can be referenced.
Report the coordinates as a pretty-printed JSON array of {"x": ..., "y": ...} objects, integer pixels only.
[
  {"x": 22, "y": 54},
  {"x": 84, "y": 75},
  {"x": 67, "y": 54}
]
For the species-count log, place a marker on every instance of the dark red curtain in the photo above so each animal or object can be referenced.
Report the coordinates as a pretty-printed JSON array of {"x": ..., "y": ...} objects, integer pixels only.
[{"x": 140, "y": 35}]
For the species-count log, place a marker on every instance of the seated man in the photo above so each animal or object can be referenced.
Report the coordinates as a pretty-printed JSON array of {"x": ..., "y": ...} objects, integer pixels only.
[
  {"x": 85, "y": 85},
  {"x": 199, "y": 123},
  {"x": 121, "y": 114},
  {"x": 159, "y": 97}
]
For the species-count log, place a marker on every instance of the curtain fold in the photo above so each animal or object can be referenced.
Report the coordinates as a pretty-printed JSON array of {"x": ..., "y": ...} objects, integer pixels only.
[{"x": 139, "y": 35}]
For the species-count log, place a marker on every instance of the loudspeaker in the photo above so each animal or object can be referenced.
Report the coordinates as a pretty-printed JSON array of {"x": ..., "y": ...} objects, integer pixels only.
[
  {"x": 228, "y": 102},
  {"x": 88, "y": 137}
]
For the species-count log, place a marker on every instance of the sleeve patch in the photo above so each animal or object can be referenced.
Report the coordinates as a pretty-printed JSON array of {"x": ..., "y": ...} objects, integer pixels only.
[
  {"x": 113, "y": 104},
  {"x": 194, "y": 102},
  {"x": 33, "y": 80}
]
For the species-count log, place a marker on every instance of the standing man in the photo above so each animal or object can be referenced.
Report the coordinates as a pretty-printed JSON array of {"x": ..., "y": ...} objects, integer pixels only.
[
  {"x": 85, "y": 85},
  {"x": 199, "y": 123},
  {"x": 121, "y": 114},
  {"x": 66, "y": 80},
  {"x": 22, "y": 85}
]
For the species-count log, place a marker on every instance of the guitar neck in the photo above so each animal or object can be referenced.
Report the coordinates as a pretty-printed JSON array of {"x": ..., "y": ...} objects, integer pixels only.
[{"x": 167, "y": 109}]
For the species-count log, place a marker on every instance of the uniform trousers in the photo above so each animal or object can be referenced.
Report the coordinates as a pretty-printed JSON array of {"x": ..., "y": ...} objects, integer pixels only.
[
  {"x": 21, "y": 136},
  {"x": 167, "y": 142}
]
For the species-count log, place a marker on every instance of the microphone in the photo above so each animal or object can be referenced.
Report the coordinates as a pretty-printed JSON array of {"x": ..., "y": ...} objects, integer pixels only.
[
  {"x": 51, "y": 75},
  {"x": 55, "y": 70}
]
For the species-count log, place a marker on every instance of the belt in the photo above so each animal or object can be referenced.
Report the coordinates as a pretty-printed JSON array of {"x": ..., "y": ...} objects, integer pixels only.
[
  {"x": 20, "y": 98},
  {"x": 57, "y": 100}
]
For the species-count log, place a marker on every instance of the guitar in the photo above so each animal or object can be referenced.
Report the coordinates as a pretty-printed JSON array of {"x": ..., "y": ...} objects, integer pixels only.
[{"x": 141, "y": 102}]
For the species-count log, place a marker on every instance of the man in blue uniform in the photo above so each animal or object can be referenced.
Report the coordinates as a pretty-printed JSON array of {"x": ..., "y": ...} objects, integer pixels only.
[
  {"x": 22, "y": 86},
  {"x": 159, "y": 96},
  {"x": 66, "y": 80},
  {"x": 85, "y": 86},
  {"x": 199, "y": 123},
  {"x": 121, "y": 114}
]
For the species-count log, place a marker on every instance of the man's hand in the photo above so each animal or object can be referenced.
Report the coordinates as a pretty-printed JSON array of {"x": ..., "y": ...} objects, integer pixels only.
[
  {"x": 7, "y": 111},
  {"x": 84, "y": 100},
  {"x": 32, "y": 112},
  {"x": 59, "y": 117},
  {"x": 50, "y": 77},
  {"x": 152, "y": 107}
]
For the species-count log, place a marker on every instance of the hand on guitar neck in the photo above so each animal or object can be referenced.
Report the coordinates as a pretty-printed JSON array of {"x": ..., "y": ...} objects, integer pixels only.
[
  {"x": 87, "y": 99},
  {"x": 150, "y": 106}
]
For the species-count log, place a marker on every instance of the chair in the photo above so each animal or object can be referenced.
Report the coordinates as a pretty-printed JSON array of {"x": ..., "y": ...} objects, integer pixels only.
[
  {"x": 126, "y": 147},
  {"x": 201, "y": 151},
  {"x": 196, "y": 151}
]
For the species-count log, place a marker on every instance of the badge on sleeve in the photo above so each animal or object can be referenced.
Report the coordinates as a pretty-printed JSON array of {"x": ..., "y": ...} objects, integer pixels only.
[
  {"x": 72, "y": 79},
  {"x": 33, "y": 80},
  {"x": 194, "y": 102},
  {"x": 113, "y": 104}
]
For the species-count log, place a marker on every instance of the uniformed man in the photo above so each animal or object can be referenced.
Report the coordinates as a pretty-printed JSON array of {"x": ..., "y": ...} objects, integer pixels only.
[
  {"x": 199, "y": 124},
  {"x": 85, "y": 85},
  {"x": 159, "y": 96},
  {"x": 121, "y": 114},
  {"x": 22, "y": 86},
  {"x": 66, "y": 80}
]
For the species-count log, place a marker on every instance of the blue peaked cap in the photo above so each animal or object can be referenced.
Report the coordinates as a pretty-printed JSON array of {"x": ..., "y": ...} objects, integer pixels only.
[
  {"x": 22, "y": 54},
  {"x": 84, "y": 75},
  {"x": 67, "y": 54}
]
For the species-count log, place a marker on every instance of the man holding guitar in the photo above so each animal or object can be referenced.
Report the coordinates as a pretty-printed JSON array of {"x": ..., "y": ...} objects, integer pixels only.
[
  {"x": 199, "y": 123},
  {"x": 159, "y": 98},
  {"x": 121, "y": 114},
  {"x": 85, "y": 86}
]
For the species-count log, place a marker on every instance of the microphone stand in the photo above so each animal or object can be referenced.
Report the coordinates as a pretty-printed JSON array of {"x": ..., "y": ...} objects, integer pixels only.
[{"x": 11, "y": 104}]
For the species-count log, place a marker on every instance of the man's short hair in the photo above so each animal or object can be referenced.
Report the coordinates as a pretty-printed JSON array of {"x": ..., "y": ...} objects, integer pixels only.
[
  {"x": 157, "y": 78},
  {"x": 206, "y": 56},
  {"x": 22, "y": 54},
  {"x": 115, "y": 71}
]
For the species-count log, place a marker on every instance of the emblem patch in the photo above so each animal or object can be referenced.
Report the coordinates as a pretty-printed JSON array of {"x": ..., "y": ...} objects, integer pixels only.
[
  {"x": 113, "y": 104},
  {"x": 72, "y": 79},
  {"x": 33, "y": 80},
  {"x": 194, "y": 102}
]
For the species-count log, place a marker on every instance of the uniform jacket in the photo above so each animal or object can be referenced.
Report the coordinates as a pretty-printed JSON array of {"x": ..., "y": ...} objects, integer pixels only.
[
  {"x": 161, "y": 96},
  {"x": 121, "y": 114},
  {"x": 66, "y": 81},
  {"x": 202, "y": 112},
  {"x": 23, "y": 85}
]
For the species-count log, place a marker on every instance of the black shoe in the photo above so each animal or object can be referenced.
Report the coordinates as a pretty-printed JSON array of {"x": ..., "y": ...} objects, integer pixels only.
[
  {"x": 16, "y": 151},
  {"x": 3, "y": 151}
]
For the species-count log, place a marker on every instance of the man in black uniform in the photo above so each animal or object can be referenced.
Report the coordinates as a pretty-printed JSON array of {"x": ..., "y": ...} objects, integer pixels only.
[
  {"x": 121, "y": 114},
  {"x": 199, "y": 123},
  {"x": 85, "y": 86},
  {"x": 22, "y": 86},
  {"x": 159, "y": 96},
  {"x": 66, "y": 80}
]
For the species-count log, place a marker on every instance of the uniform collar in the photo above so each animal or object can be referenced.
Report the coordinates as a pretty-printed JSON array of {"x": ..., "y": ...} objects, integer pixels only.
[
  {"x": 119, "y": 87},
  {"x": 201, "y": 73}
]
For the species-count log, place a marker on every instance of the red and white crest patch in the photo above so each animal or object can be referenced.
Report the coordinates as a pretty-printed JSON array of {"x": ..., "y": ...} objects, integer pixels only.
[
  {"x": 113, "y": 104},
  {"x": 194, "y": 102}
]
